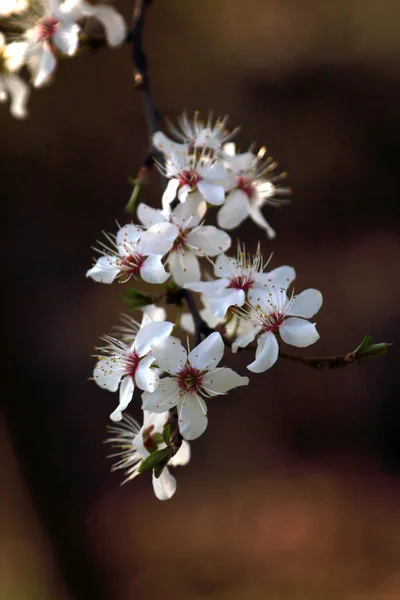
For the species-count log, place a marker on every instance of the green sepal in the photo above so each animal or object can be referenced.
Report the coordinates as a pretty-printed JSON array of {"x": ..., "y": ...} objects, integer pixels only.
[
  {"x": 159, "y": 458},
  {"x": 157, "y": 438},
  {"x": 364, "y": 344},
  {"x": 167, "y": 434},
  {"x": 136, "y": 299},
  {"x": 130, "y": 207},
  {"x": 374, "y": 350}
]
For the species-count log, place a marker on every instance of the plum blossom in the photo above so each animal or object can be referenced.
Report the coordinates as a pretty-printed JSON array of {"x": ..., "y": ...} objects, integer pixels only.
[
  {"x": 240, "y": 279},
  {"x": 50, "y": 27},
  {"x": 254, "y": 186},
  {"x": 112, "y": 21},
  {"x": 11, "y": 85},
  {"x": 123, "y": 365},
  {"x": 284, "y": 316},
  {"x": 135, "y": 443},
  {"x": 126, "y": 258},
  {"x": 193, "y": 376},
  {"x": 182, "y": 237}
]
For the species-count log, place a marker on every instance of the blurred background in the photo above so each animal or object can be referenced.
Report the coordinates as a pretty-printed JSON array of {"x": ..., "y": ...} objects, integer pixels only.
[{"x": 293, "y": 492}]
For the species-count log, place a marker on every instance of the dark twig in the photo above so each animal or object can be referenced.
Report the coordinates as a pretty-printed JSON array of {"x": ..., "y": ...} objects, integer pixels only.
[{"x": 200, "y": 326}]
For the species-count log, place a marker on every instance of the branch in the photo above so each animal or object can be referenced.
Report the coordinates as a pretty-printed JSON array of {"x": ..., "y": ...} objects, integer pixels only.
[{"x": 200, "y": 326}]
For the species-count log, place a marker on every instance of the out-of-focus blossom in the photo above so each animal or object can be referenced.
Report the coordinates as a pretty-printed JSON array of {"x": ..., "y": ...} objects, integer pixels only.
[{"x": 12, "y": 86}]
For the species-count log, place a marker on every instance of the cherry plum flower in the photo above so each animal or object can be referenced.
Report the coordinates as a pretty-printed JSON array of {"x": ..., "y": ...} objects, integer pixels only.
[
  {"x": 239, "y": 280},
  {"x": 193, "y": 376},
  {"x": 182, "y": 237},
  {"x": 135, "y": 443},
  {"x": 121, "y": 365},
  {"x": 126, "y": 257}
]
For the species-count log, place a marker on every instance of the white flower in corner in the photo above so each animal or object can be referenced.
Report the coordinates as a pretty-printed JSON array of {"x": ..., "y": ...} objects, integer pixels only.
[
  {"x": 11, "y": 85},
  {"x": 126, "y": 258},
  {"x": 50, "y": 27},
  {"x": 284, "y": 316},
  {"x": 254, "y": 187},
  {"x": 112, "y": 21},
  {"x": 135, "y": 444},
  {"x": 240, "y": 279},
  {"x": 182, "y": 237},
  {"x": 9, "y": 7},
  {"x": 192, "y": 377},
  {"x": 122, "y": 366}
]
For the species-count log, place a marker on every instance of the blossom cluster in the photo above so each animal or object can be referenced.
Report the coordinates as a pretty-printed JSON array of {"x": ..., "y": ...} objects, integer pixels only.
[
  {"x": 246, "y": 304},
  {"x": 43, "y": 31}
]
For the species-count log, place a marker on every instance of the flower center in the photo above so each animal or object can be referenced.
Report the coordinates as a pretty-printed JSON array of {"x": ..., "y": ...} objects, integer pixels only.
[
  {"x": 131, "y": 264},
  {"x": 180, "y": 240},
  {"x": 189, "y": 177},
  {"x": 47, "y": 28},
  {"x": 273, "y": 322},
  {"x": 246, "y": 185},
  {"x": 189, "y": 380},
  {"x": 241, "y": 282},
  {"x": 132, "y": 363}
]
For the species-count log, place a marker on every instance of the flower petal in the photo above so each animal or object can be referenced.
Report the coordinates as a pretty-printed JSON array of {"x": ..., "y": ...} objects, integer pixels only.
[
  {"x": 208, "y": 353},
  {"x": 182, "y": 457},
  {"x": 306, "y": 304},
  {"x": 234, "y": 211},
  {"x": 192, "y": 415},
  {"x": 46, "y": 63},
  {"x": 66, "y": 38},
  {"x": 169, "y": 194},
  {"x": 151, "y": 333},
  {"x": 229, "y": 297},
  {"x": 127, "y": 238},
  {"x": 245, "y": 337},
  {"x": 170, "y": 355},
  {"x": 298, "y": 332},
  {"x": 107, "y": 374},
  {"x": 113, "y": 22},
  {"x": 164, "y": 486},
  {"x": 213, "y": 193},
  {"x": 266, "y": 354},
  {"x": 222, "y": 380},
  {"x": 19, "y": 94},
  {"x": 155, "y": 420},
  {"x": 165, "y": 397},
  {"x": 225, "y": 266},
  {"x": 125, "y": 396},
  {"x": 152, "y": 270},
  {"x": 208, "y": 241},
  {"x": 159, "y": 238},
  {"x": 189, "y": 214},
  {"x": 147, "y": 378},
  {"x": 259, "y": 219},
  {"x": 184, "y": 266},
  {"x": 279, "y": 277},
  {"x": 104, "y": 270},
  {"x": 208, "y": 288},
  {"x": 149, "y": 216}
]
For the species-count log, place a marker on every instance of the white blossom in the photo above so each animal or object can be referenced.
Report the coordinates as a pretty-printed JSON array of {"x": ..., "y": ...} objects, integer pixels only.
[
  {"x": 193, "y": 376},
  {"x": 240, "y": 279},
  {"x": 254, "y": 186},
  {"x": 123, "y": 365},
  {"x": 182, "y": 237},
  {"x": 12, "y": 7},
  {"x": 134, "y": 444},
  {"x": 126, "y": 257},
  {"x": 284, "y": 316},
  {"x": 11, "y": 85}
]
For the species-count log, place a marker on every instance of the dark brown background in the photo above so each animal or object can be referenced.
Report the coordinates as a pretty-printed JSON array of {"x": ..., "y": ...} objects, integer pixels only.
[{"x": 293, "y": 492}]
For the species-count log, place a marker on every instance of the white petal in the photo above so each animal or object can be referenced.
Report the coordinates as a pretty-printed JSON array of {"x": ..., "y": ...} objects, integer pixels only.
[
  {"x": 19, "y": 93},
  {"x": 125, "y": 396},
  {"x": 213, "y": 193},
  {"x": 159, "y": 238},
  {"x": 182, "y": 457},
  {"x": 222, "y": 380},
  {"x": 114, "y": 24},
  {"x": 165, "y": 145},
  {"x": 225, "y": 266},
  {"x": 208, "y": 288},
  {"x": 190, "y": 213},
  {"x": 208, "y": 240},
  {"x": 245, "y": 338},
  {"x": 66, "y": 38},
  {"x": 107, "y": 374},
  {"x": 192, "y": 415},
  {"x": 151, "y": 333},
  {"x": 184, "y": 266},
  {"x": 298, "y": 332},
  {"x": 104, "y": 270},
  {"x": 229, "y": 297},
  {"x": 266, "y": 354},
  {"x": 208, "y": 353},
  {"x": 306, "y": 304},
  {"x": 170, "y": 355},
  {"x": 258, "y": 218},
  {"x": 280, "y": 277},
  {"x": 147, "y": 378},
  {"x": 165, "y": 397},
  {"x": 155, "y": 313},
  {"x": 169, "y": 194},
  {"x": 127, "y": 238},
  {"x": 149, "y": 216},
  {"x": 234, "y": 211},
  {"x": 152, "y": 270},
  {"x": 187, "y": 323},
  {"x": 165, "y": 486},
  {"x": 45, "y": 65},
  {"x": 155, "y": 420}
]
